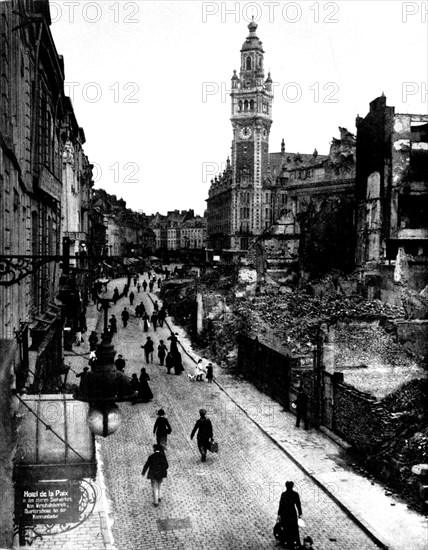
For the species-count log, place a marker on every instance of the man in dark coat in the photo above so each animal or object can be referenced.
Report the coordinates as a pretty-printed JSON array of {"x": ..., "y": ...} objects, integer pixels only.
[
  {"x": 162, "y": 351},
  {"x": 302, "y": 408},
  {"x": 148, "y": 350},
  {"x": 156, "y": 468},
  {"x": 288, "y": 512},
  {"x": 161, "y": 316},
  {"x": 125, "y": 317},
  {"x": 154, "y": 320},
  {"x": 205, "y": 433},
  {"x": 131, "y": 297}
]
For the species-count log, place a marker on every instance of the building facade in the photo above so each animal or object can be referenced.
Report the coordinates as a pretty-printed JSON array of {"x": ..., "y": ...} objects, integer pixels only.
[
  {"x": 392, "y": 198},
  {"x": 32, "y": 113}
]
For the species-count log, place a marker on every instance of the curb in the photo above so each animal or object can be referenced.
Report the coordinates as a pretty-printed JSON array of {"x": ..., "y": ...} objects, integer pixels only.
[{"x": 368, "y": 530}]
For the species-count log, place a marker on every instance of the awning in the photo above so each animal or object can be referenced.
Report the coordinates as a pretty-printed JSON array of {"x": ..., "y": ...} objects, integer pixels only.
[{"x": 54, "y": 440}]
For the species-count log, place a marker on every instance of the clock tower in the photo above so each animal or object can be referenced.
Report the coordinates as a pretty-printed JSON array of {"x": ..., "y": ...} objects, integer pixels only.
[{"x": 251, "y": 121}]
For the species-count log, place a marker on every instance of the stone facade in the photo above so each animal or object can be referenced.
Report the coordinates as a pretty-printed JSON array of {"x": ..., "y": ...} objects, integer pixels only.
[
  {"x": 179, "y": 231},
  {"x": 31, "y": 145}
]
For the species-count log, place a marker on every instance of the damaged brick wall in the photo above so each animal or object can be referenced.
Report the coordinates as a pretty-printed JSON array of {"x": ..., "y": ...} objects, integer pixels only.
[
  {"x": 327, "y": 241},
  {"x": 353, "y": 416}
]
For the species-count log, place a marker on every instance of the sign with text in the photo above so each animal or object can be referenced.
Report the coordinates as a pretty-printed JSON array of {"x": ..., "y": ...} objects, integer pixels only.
[
  {"x": 47, "y": 502},
  {"x": 50, "y": 184}
]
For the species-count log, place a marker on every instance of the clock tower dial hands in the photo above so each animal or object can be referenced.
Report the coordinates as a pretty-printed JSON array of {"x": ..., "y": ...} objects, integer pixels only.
[{"x": 245, "y": 132}]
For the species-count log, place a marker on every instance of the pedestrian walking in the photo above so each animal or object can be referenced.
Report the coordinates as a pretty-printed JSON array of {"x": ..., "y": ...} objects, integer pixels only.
[
  {"x": 302, "y": 408},
  {"x": 131, "y": 297},
  {"x": 93, "y": 340},
  {"x": 162, "y": 351},
  {"x": 144, "y": 392},
  {"x": 156, "y": 306},
  {"x": 161, "y": 316},
  {"x": 145, "y": 322},
  {"x": 162, "y": 429},
  {"x": 148, "y": 350},
  {"x": 157, "y": 469},
  {"x": 154, "y": 320},
  {"x": 135, "y": 387},
  {"x": 204, "y": 430},
  {"x": 113, "y": 324},
  {"x": 210, "y": 373},
  {"x": 125, "y": 317},
  {"x": 126, "y": 290},
  {"x": 289, "y": 511},
  {"x": 169, "y": 362},
  {"x": 199, "y": 371},
  {"x": 115, "y": 295},
  {"x": 144, "y": 285},
  {"x": 138, "y": 287},
  {"x": 151, "y": 286},
  {"x": 120, "y": 363},
  {"x": 177, "y": 362},
  {"x": 173, "y": 348}
]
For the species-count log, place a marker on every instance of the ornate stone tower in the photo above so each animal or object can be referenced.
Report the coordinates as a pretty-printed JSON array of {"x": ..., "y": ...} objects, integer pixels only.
[{"x": 251, "y": 121}]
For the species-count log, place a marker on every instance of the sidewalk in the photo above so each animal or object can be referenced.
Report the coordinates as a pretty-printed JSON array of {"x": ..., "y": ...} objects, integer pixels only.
[{"x": 384, "y": 517}]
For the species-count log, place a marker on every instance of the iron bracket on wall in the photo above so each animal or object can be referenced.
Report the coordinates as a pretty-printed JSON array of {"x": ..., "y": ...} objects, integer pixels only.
[{"x": 14, "y": 268}]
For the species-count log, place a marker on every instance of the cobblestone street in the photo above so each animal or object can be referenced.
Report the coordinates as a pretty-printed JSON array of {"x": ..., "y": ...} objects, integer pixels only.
[{"x": 229, "y": 502}]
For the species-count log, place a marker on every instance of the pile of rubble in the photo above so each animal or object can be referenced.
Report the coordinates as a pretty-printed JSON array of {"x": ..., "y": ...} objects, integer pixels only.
[{"x": 295, "y": 317}]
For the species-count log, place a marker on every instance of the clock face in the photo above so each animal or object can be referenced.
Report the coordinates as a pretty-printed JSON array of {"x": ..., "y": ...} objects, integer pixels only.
[{"x": 245, "y": 132}]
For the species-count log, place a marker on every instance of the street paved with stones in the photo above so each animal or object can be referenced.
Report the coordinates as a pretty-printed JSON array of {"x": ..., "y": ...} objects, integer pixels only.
[{"x": 228, "y": 502}]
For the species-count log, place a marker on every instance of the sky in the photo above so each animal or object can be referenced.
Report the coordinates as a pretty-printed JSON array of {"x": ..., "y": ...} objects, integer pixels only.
[{"x": 150, "y": 82}]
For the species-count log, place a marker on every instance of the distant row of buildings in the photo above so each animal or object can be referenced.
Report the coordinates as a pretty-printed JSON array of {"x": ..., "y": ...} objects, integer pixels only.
[{"x": 363, "y": 206}]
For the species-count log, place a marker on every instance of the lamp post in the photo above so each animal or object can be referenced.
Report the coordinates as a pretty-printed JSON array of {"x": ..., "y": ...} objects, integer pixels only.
[{"x": 104, "y": 416}]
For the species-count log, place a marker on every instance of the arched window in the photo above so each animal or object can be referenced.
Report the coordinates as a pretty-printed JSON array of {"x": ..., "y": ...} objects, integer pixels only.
[
  {"x": 249, "y": 63},
  {"x": 246, "y": 105},
  {"x": 239, "y": 106},
  {"x": 252, "y": 105}
]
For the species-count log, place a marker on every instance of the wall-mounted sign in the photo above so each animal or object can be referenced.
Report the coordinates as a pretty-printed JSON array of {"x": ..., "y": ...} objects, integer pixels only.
[
  {"x": 50, "y": 184},
  {"x": 47, "y": 502}
]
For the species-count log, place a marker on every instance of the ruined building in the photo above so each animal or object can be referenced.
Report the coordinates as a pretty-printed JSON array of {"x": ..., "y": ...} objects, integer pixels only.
[{"x": 392, "y": 200}]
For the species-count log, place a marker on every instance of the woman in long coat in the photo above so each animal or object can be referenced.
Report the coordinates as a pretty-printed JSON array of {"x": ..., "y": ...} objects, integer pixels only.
[
  {"x": 145, "y": 393},
  {"x": 289, "y": 511}
]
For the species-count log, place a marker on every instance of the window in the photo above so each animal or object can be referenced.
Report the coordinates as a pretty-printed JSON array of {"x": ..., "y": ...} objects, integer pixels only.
[{"x": 248, "y": 63}]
